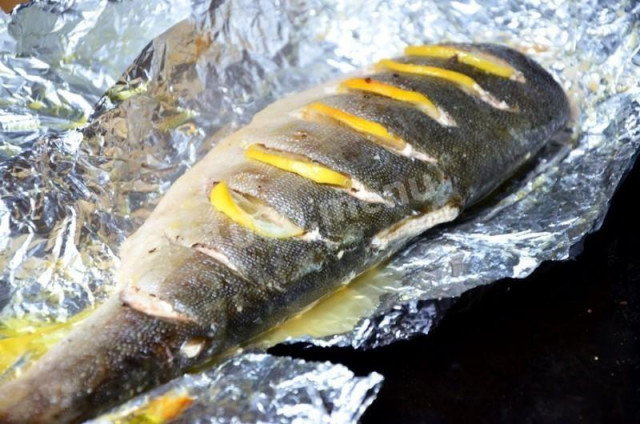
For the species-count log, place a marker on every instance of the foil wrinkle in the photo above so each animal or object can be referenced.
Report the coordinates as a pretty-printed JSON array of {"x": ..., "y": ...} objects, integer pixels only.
[{"x": 94, "y": 128}]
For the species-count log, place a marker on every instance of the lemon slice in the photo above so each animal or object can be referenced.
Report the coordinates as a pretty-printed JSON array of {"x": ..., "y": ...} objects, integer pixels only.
[
  {"x": 159, "y": 410},
  {"x": 421, "y": 101},
  {"x": 20, "y": 338},
  {"x": 298, "y": 165},
  {"x": 485, "y": 63},
  {"x": 457, "y": 78},
  {"x": 379, "y": 132},
  {"x": 252, "y": 213}
]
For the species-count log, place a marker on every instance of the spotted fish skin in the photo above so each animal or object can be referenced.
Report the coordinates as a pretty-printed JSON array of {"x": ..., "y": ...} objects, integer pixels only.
[{"x": 196, "y": 280}]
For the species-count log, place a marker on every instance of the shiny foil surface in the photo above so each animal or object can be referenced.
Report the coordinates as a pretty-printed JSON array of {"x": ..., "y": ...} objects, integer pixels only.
[
  {"x": 235, "y": 392},
  {"x": 86, "y": 150}
]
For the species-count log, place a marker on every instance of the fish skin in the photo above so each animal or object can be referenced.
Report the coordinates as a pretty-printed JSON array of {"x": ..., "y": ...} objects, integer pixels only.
[
  {"x": 171, "y": 292},
  {"x": 377, "y": 168}
]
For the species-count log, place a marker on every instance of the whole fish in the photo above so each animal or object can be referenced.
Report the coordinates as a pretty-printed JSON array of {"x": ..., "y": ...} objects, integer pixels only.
[{"x": 318, "y": 188}]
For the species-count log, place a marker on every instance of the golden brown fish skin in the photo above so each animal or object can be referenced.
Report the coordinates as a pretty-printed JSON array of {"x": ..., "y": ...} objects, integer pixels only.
[{"x": 211, "y": 283}]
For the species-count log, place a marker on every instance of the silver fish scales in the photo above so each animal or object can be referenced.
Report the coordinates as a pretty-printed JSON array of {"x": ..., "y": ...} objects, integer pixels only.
[{"x": 320, "y": 187}]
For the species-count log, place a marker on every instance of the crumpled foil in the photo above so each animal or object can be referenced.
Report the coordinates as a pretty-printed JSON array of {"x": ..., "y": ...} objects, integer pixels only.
[
  {"x": 56, "y": 60},
  {"x": 70, "y": 197},
  {"x": 234, "y": 391}
]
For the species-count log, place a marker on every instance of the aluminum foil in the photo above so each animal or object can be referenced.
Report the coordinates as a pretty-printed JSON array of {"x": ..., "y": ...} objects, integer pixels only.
[
  {"x": 69, "y": 197},
  {"x": 234, "y": 392},
  {"x": 57, "y": 59}
]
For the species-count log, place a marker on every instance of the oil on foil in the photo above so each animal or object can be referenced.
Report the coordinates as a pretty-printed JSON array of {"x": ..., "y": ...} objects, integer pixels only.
[{"x": 85, "y": 156}]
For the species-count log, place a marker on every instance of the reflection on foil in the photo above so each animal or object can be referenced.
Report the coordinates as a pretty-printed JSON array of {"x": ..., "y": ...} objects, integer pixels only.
[
  {"x": 58, "y": 57},
  {"x": 69, "y": 197},
  {"x": 57, "y": 236},
  {"x": 253, "y": 388}
]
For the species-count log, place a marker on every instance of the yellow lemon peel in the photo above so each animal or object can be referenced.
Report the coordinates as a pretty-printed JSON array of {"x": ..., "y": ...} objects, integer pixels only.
[
  {"x": 251, "y": 214},
  {"x": 482, "y": 62},
  {"x": 313, "y": 171},
  {"x": 360, "y": 124}
]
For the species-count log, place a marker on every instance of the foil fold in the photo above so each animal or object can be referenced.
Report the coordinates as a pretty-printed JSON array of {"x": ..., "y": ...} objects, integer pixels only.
[
  {"x": 260, "y": 388},
  {"x": 70, "y": 196},
  {"x": 58, "y": 57}
]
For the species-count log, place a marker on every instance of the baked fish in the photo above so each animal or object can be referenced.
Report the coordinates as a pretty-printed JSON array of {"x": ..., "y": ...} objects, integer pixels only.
[{"x": 318, "y": 188}]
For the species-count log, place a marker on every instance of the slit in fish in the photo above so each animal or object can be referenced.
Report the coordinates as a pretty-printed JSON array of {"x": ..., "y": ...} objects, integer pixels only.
[
  {"x": 318, "y": 173},
  {"x": 412, "y": 226},
  {"x": 269, "y": 223},
  {"x": 150, "y": 304},
  {"x": 464, "y": 82},
  {"x": 376, "y": 132},
  {"x": 418, "y": 100},
  {"x": 252, "y": 213},
  {"x": 480, "y": 60},
  {"x": 217, "y": 256},
  {"x": 298, "y": 164},
  {"x": 315, "y": 236}
]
